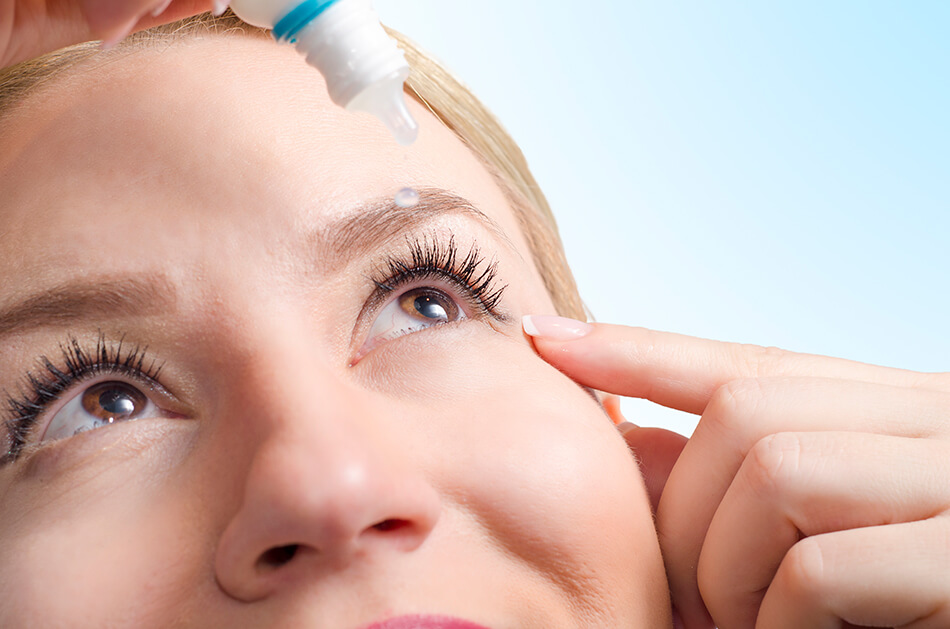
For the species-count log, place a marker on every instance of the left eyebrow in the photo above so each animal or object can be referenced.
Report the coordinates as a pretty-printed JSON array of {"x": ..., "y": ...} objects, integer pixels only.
[
  {"x": 366, "y": 228},
  {"x": 102, "y": 298}
]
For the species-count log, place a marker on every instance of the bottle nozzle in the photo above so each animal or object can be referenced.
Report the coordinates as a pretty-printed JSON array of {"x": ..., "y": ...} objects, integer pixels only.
[
  {"x": 363, "y": 67},
  {"x": 385, "y": 100}
]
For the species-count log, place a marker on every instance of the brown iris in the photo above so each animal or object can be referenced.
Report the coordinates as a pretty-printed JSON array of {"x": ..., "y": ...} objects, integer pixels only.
[
  {"x": 113, "y": 401},
  {"x": 429, "y": 305}
]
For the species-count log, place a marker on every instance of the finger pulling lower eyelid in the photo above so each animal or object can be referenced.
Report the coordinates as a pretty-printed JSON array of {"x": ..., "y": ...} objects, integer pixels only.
[{"x": 554, "y": 328}]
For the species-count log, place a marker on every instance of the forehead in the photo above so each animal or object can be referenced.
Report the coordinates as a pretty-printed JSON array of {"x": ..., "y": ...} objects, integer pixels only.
[{"x": 225, "y": 127}]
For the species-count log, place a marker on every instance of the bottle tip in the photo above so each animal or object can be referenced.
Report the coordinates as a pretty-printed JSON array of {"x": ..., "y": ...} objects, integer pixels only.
[
  {"x": 403, "y": 127},
  {"x": 386, "y": 101}
]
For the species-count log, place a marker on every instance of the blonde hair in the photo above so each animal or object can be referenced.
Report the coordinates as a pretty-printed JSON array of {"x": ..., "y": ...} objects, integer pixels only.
[{"x": 430, "y": 83}]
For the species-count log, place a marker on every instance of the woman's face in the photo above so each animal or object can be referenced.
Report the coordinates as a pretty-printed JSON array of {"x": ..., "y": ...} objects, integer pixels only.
[{"x": 263, "y": 394}]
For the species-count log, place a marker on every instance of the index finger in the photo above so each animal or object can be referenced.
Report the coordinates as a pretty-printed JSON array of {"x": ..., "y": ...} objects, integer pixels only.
[{"x": 683, "y": 372}]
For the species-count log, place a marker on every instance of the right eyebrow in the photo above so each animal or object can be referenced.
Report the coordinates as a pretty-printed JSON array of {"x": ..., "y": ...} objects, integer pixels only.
[{"x": 103, "y": 298}]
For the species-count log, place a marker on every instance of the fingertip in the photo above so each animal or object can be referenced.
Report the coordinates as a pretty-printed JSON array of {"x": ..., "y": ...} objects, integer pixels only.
[
  {"x": 555, "y": 328},
  {"x": 626, "y": 427},
  {"x": 611, "y": 404},
  {"x": 118, "y": 34}
]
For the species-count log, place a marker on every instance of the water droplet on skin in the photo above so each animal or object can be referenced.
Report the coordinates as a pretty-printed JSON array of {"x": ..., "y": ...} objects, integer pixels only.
[{"x": 407, "y": 197}]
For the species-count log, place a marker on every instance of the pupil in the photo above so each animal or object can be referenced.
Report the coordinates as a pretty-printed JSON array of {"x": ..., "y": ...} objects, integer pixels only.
[
  {"x": 428, "y": 307},
  {"x": 116, "y": 403},
  {"x": 113, "y": 401}
]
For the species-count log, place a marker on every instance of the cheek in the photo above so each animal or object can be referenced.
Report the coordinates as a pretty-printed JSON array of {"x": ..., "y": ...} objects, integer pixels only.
[
  {"x": 540, "y": 466},
  {"x": 97, "y": 567},
  {"x": 95, "y": 553}
]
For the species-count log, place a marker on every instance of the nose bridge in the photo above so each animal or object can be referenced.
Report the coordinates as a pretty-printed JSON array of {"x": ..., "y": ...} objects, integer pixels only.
[
  {"x": 283, "y": 382},
  {"x": 310, "y": 422},
  {"x": 294, "y": 392},
  {"x": 324, "y": 480},
  {"x": 287, "y": 391}
]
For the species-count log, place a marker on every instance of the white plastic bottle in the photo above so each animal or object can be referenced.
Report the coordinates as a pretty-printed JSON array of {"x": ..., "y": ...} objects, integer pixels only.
[{"x": 344, "y": 40}]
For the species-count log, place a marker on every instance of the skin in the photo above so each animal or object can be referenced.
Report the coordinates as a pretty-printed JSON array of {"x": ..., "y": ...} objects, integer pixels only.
[
  {"x": 812, "y": 493},
  {"x": 447, "y": 471}
]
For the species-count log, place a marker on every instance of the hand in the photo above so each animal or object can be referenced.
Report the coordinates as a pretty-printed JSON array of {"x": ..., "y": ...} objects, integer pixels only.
[
  {"x": 29, "y": 28},
  {"x": 813, "y": 493}
]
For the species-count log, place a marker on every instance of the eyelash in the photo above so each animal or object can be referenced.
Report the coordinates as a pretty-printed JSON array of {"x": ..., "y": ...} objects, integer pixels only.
[
  {"x": 79, "y": 364},
  {"x": 427, "y": 259}
]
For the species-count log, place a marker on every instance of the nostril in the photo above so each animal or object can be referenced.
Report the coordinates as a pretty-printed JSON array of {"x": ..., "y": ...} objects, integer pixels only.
[
  {"x": 390, "y": 525},
  {"x": 277, "y": 556}
]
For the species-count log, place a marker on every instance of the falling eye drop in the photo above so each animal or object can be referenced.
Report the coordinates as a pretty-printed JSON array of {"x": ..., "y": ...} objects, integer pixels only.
[{"x": 344, "y": 40}]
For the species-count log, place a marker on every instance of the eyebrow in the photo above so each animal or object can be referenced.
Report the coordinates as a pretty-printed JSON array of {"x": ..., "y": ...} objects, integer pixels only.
[
  {"x": 373, "y": 225},
  {"x": 361, "y": 232},
  {"x": 105, "y": 297}
]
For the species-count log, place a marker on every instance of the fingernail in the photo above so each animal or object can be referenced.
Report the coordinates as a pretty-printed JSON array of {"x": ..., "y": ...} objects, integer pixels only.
[
  {"x": 624, "y": 427},
  {"x": 555, "y": 328},
  {"x": 160, "y": 8},
  {"x": 220, "y": 6},
  {"x": 110, "y": 42}
]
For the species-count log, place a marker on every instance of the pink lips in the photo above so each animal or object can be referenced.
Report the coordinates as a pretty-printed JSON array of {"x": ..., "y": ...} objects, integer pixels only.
[{"x": 424, "y": 622}]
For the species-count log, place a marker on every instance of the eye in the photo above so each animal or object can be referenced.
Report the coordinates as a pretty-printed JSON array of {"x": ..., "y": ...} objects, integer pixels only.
[
  {"x": 99, "y": 405},
  {"x": 428, "y": 306},
  {"x": 412, "y": 311}
]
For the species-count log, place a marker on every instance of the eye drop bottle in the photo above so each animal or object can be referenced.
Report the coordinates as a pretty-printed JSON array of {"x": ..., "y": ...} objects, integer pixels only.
[{"x": 344, "y": 40}]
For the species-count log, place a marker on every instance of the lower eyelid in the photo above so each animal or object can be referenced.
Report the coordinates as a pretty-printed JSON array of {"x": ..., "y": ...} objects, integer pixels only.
[
  {"x": 154, "y": 393},
  {"x": 371, "y": 346},
  {"x": 110, "y": 446}
]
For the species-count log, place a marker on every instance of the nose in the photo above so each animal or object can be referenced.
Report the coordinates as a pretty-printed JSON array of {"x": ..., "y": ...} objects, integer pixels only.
[{"x": 324, "y": 488}]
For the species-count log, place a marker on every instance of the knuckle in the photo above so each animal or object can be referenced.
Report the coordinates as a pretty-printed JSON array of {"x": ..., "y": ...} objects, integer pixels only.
[
  {"x": 774, "y": 461},
  {"x": 764, "y": 361},
  {"x": 732, "y": 403},
  {"x": 804, "y": 570}
]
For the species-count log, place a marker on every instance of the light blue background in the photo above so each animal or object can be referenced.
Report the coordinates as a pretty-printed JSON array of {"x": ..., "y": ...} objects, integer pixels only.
[{"x": 754, "y": 172}]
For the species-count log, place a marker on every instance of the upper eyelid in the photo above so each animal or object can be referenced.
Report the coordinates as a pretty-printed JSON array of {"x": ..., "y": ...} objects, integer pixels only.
[
  {"x": 383, "y": 295},
  {"x": 470, "y": 270},
  {"x": 151, "y": 388},
  {"x": 149, "y": 385},
  {"x": 434, "y": 254},
  {"x": 80, "y": 365}
]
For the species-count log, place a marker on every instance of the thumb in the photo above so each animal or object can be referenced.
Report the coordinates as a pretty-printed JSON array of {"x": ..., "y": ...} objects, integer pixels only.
[{"x": 657, "y": 451}]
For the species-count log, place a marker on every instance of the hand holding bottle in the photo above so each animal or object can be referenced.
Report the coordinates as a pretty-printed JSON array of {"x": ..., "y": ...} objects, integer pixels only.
[
  {"x": 29, "y": 28},
  {"x": 363, "y": 67}
]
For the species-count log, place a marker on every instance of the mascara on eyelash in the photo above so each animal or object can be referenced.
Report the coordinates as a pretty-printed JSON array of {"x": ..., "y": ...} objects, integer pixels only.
[
  {"x": 78, "y": 363},
  {"x": 428, "y": 258}
]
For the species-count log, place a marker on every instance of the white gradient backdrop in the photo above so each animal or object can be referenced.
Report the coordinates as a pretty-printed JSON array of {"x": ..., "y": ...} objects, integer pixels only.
[{"x": 777, "y": 175}]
